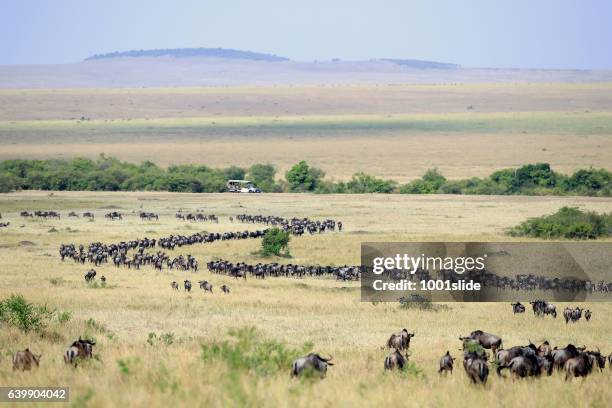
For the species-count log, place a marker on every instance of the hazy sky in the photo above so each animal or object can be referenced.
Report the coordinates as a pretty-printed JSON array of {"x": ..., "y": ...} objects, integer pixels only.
[{"x": 487, "y": 33}]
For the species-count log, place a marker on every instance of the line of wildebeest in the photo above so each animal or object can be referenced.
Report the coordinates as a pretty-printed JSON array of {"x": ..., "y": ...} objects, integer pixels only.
[
  {"x": 521, "y": 361},
  {"x": 542, "y": 308}
]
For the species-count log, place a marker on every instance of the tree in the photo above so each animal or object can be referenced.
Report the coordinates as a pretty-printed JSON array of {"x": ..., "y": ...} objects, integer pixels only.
[
  {"x": 274, "y": 241},
  {"x": 302, "y": 177},
  {"x": 263, "y": 177}
]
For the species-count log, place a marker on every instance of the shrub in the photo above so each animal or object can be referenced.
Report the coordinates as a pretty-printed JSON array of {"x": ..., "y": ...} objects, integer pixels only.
[
  {"x": 64, "y": 317},
  {"x": 569, "y": 223},
  {"x": 248, "y": 351},
  {"x": 274, "y": 241},
  {"x": 16, "y": 311}
]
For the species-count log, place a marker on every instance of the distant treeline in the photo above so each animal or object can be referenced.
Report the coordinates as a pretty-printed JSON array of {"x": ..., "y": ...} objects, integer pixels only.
[{"x": 110, "y": 174}]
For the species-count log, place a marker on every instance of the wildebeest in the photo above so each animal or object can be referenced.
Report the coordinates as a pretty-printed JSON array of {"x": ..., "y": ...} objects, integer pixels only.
[
  {"x": 561, "y": 356},
  {"x": 598, "y": 359},
  {"x": 225, "y": 289},
  {"x": 505, "y": 356},
  {"x": 206, "y": 286},
  {"x": 4, "y": 224},
  {"x": 486, "y": 340},
  {"x": 476, "y": 367},
  {"x": 90, "y": 275},
  {"x": 395, "y": 360},
  {"x": 400, "y": 340},
  {"x": 579, "y": 366},
  {"x": 446, "y": 363},
  {"x": 610, "y": 360},
  {"x": 25, "y": 360},
  {"x": 518, "y": 308},
  {"x": 541, "y": 308},
  {"x": 103, "y": 279},
  {"x": 572, "y": 315},
  {"x": 529, "y": 364},
  {"x": 187, "y": 284},
  {"x": 544, "y": 349},
  {"x": 174, "y": 285},
  {"x": 313, "y": 362},
  {"x": 80, "y": 349},
  {"x": 587, "y": 315}
]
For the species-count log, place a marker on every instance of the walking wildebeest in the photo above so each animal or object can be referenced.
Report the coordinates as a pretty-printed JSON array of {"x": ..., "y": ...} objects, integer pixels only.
[
  {"x": 206, "y": 286},
  {"x": 395, "y": 360},
  {"x": 446, "y": 363},
  {"x": 90, "y": 275},
  {"x": 518, "y": 307},
  {"x": 174, "y": 285},
  {"x": 579, "y": 366},
  {"x": 587, "y": 315},
  {"x": 312, "y": 362},
  {"x": 25, "y": 360},
  {"x": 225, "y": 289},
  {"x": 187, "y": 286},
  {"x": 476, "y": 367},
  {"x": 561, "y": 356},
  {"x": 80, "y": 349},
  {"x": 400, "y": 340},
  {"x": 486, "y": 340}
]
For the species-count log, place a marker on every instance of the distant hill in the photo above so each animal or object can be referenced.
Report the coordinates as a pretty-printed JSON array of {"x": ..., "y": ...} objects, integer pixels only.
[
  {"x": 192, "y": 53},
  {"x": 420, "y": 64}
]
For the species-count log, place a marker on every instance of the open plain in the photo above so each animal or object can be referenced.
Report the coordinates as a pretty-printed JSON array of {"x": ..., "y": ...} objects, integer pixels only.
[{"x": 131, "y": 370}]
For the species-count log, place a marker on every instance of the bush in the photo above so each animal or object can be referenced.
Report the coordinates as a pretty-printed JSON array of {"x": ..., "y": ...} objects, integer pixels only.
[
  {"x": 248, "y": 351},
  {"x": 16, "y": 311},
  {"x": 262, "y": 175},
  {"x": 569, "y": 223},
  {"x": 274, "y": 241}
]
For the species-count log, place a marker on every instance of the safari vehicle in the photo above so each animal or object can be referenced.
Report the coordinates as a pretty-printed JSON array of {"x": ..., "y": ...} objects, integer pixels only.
[{"x": 241, "y": 186}]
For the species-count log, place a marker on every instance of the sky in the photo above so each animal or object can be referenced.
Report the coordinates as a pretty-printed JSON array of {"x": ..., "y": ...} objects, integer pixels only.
[{"x": 474, "y": 33}]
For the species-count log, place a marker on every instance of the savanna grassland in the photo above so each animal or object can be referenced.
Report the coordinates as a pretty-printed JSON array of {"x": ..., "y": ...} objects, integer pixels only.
[
  {"x": 132, "y": 371},
  {"x": 395, "y": 132}
]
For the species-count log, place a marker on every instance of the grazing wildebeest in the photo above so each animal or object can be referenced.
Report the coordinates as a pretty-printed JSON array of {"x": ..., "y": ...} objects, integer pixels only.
[
  {"x": 206, "y": 286},
  {"x": 446, "y": 363},
  {"x": 313, "y": 362},
  {"x": 174, "y": 285},
  {"x": 518, "y": 308},
  {"x": 476, "y": 367},
  {"x": 587, "y": 315},
  {"x": 187, "y": 286},
  {"x": 4, "y": 224},
  {"x": 225, "y": 289},
  {"x": 395, "y": 360},
  {"x": 486, "y": 340},
  {"x": 579, "y": 366},
  {"x": 561, "y": 356},
  {"x": 25, "y": 360},
  {"x": 80, "y": 349},
  {"x": 90, "y": 275},
  {"x": 400, "y": 340}
]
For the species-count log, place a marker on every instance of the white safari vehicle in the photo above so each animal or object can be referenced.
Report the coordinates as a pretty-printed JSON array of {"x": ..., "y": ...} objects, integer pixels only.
[{"x": 241, "y": 186}]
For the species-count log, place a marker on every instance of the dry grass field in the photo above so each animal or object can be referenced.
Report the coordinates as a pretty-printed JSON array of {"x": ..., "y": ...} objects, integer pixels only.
[
  {"x": 324, "y": 312},
  {"x": 394, "y": 132}
]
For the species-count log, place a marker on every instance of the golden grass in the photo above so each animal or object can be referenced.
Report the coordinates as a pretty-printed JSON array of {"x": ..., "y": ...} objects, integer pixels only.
[{"x": 322, "y": 311}]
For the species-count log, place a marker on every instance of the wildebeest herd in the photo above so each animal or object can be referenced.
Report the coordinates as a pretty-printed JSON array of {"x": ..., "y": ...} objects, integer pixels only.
[
  {"x": 297, "y": 226},
  {"x": 263, "y": 270}
]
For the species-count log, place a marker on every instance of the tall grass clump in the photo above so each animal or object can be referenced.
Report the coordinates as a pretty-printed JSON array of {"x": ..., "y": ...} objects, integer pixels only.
[{"x": 247, "y": 351}]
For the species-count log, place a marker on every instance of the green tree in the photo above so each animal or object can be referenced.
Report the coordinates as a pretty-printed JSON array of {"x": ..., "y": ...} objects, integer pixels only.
[
  {"x": 263, "y": 177},
  {"x": 274, "y": 241},
  {"x": 302, "y": 177}
]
